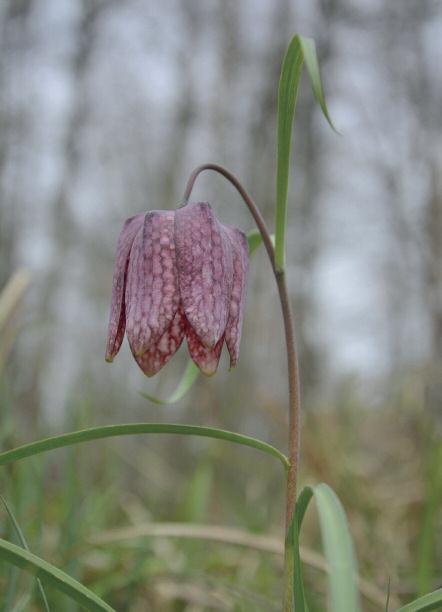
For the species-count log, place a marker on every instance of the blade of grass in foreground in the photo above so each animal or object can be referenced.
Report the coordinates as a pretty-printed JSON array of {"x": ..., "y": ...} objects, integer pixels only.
[
  {"x": 427, "y": 570},
  {"x": 295, "y": 528},
  {"x": 50, "y": 574},
  {"x": 338, "y": 550},
  {"x": 431, "y": 601},
  {"x": 108, "y": 431},
  {"x": 24, "y": 544}
]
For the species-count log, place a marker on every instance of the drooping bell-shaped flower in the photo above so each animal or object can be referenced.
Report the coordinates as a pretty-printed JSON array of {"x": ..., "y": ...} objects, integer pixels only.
[{"x": 178, "y": 274}]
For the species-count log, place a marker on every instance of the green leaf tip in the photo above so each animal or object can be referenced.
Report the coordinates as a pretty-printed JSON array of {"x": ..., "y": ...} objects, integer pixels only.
[
  {"x": 311, "y": 63},
  {"x": 300, "y": 49}
]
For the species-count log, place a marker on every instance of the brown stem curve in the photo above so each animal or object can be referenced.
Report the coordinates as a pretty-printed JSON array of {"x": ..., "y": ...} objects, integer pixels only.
[
  {"x": 254, "y": 210},
  {"x": 292, "y": 364}
]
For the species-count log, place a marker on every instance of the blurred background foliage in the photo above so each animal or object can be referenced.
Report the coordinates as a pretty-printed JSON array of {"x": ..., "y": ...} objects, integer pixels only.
[{"x": 105, "y": 108}]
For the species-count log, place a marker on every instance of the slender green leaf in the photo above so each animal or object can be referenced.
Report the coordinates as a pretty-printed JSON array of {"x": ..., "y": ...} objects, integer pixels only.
[
  {"x": 197, "y": 496},
  {"x": 24, "y": 544},
  {"x": 301, "y": 506},
  {"x": 311, "y": 63},
  {"x": 108, "y": 431},
  {"x": 51, "y": 575},
  {"x": 338, "y": 550},
  {"x": 189, "y": 377},
  {"x": 287, "y": 94},
  {"x": 302, "y": 503},
  {"x": 427, "y": 569},
  {"x": 22, "y": 604},
  {"x": 387, "y": 600},
  {"x": 299, "y": 50},
  {"x": 431, "y": 601}
]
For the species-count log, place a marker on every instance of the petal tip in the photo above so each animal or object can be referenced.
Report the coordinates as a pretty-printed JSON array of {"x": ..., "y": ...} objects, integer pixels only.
[{"x": 208, "y": 373}]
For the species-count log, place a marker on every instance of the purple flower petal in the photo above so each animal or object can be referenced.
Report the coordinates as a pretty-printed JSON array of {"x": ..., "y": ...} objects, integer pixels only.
[
  {"x": 152, "y": 296},
  {"x": 117, "y": 318},
  {"x": 206, "y": 359},
  {"x": 205, "y": 270},
  {"x": 240, "y": 252},
  {"x": 158, "y": 354}
]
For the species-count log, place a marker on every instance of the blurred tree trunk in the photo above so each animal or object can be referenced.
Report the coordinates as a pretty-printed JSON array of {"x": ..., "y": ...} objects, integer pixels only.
[
  {"x": 64, "y": 228},
  {"x": 433, "y": 228},
  {"x": 174, "y": 165},
  {"x": 416, "y": 227},
  {"x": 13, "y": 133}
]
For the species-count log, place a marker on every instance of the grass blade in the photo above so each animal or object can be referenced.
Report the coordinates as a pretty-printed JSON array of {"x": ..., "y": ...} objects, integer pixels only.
[
  {"x": 287, "y": 94},
  {"x": 24, "y": 544},
  {"x": 387, "y": 601},
  {"x": 311, "y": 63},
  {"x": 12, "y": 294},
  {"x": 108, "y": 431},
  {"x": 431, "y": 601},
  {"x": 49, "y": 574},
  {"x": 299, "y": 50},
  {"x": 22, "y": 604},
  {"x": 189, "y": 377},
  {"x": 301, "y": 506},
  {"x": 426, "y": 549},
  {"x": 338, "y": 551}
]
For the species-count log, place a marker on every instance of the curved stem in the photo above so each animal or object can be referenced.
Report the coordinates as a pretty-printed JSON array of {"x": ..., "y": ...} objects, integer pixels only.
[
  {"x": 256, "y": 214},
  {"x": 292, "y": 364}
]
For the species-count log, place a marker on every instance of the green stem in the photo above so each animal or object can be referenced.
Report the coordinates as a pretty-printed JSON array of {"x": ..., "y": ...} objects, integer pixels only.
[
  {"x": 292, "y": 362},
  {"x": 108, "y": 431},
  {"x": 294, "y": 437}
]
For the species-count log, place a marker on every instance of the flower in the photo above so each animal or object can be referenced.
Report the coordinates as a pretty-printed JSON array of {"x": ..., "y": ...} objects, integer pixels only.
[{"x": 178, "y": 274}]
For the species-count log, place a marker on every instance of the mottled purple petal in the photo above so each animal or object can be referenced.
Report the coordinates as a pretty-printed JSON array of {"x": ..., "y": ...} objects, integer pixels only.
[
  {"x": 158, "y": 354},
  {"x": 206, "y": 359},
  {"x": 205, "y": 270},
  {"x": 117, "y": 318},
  {"x": 240, "y": 251},
  {"x": 152, "y": 296}
]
